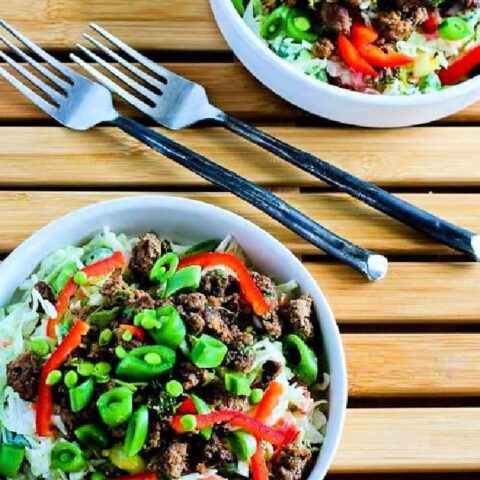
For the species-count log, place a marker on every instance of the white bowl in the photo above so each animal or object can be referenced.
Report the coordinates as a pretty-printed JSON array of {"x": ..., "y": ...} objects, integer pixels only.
[
  {"x": 188, "y": 221},
  {"x": 329, "y": 101}
]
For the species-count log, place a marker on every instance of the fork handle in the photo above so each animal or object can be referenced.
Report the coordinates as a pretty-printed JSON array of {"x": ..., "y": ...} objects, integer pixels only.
[
  {"x": 373, "y": 266},
  {"x": 445, "y": 232}
]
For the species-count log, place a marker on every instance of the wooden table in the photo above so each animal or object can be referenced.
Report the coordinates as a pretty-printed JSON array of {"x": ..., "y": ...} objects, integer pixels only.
[{"x": 412, "y": 341}]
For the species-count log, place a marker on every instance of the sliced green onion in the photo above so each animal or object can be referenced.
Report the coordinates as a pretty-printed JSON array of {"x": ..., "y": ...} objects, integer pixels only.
[
  {"x": 256, "y": 396},
  {"x": 274, "y": 23},
  {"x": 132, "y": 465},
  {"x": 137, "y": 431},
  {"x": 186, "y": 278},
  {"x": 239, "y": 6},
  {"x": 301, "y": 358},
  {"x": 455, "y": 28},
  {"x": 70, "y": 379},
  {"x": 81, "y": 395},
  {"x": 127, "y": 336},
  {"x": 171, "y": 329},
  {"x": 237, "y": 383},
  {"x": 146, "y": 319},
  {"x": 202, "y": 247},
  {"x": 40, "y": 347},
  {"x": 85, "y": 369},
  {"x": 92, "y": 435},
  {"x": 64, "y": 276},
  {"x": 159, "y": 272},
  {"x": 53, "y": 377},
  {"x": 120, "y": 352},
  {"x": 67, "y": 457},
  {"x": 243, "y": 445},
  {"x": 11, "y": 459},
  {"x": 80, "y": 278},
  {"x": 174, "y": 388},
  {"x": 153, "y": 358},
  {"x": 102, "y": 368},
  {"x": 208, "y": 352},
  {"x": 302, "y": 23},
  {"x": 202, "y": 407},
  {"x": 115, "y": 406},
  {"x": 105, "y": 337},
  {"x": 188, "y": 422}
]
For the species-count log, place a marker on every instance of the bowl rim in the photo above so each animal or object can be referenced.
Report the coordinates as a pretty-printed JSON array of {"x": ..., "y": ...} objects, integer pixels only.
[
  {"x": 95, "y": 212},
  {"x": 454, "y": 91}
]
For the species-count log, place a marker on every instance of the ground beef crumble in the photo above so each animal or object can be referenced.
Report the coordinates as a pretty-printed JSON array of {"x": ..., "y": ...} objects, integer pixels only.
[
  {"x": 23, "y": 374},
  {"x": 144, "y": 254},
  {"x": 291, "y": 463}
]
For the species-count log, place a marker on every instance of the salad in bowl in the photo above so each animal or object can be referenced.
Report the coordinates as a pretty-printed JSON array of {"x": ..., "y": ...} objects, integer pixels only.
[
  {"x": 131, "y": 356},
  {"x": 398, "y": 47}
]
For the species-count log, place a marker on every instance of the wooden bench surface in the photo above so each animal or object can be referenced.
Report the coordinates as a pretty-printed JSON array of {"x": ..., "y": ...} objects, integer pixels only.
[{"x": 412, "y": 341}]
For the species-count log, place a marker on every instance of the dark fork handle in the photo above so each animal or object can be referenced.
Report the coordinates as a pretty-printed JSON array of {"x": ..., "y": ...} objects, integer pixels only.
[
  {"x": 371, "y": 265},
  {"x": 431, "y": 225}
]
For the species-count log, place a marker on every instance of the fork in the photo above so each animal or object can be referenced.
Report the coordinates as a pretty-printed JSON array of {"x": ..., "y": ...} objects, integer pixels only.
[
  {"x": 80, "y": 104},
  {"x": 178, "y": 103}
]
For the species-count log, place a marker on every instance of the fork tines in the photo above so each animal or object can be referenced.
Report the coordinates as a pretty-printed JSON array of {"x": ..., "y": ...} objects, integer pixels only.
[{"x": 163, "y": 76}]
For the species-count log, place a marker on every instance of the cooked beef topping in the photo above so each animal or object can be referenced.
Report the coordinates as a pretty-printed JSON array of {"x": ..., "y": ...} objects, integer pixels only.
[
  {"x": 144, "y": 254},
  {"x": 190, "y": 376},
  {"x": 299, "y": 316},
  {"x": 323, "y": 48},
  {"x": 336, "y": 17},
  {"x": 45, "y": 292},
  {"x": 239, "y": 358},
  {"x": 393, "y": 27},
  {"x": 270, "y": 370},
  {"x": 215, "y": 452},
  {"x": 218, "y": 284},
  {"x": 291, "y": 463},
  {"x": 171, "y": 460},
  {"x": 23, "y": 374}
]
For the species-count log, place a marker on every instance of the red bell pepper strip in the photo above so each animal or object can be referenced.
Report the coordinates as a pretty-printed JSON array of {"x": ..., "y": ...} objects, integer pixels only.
[
  {"x": 430, "y": 25},
  {"x": 102, "y": 267},
  {"x": 269, "y": 401},
  {"x": 288, "y": 430},
  {"x": 258, "y": 464},
  {"x": 44, "y": 409},
  {"x": 236, "y": 419},
  {"x": 250, "y": 291},
  {"x": 186, "y": 407},
  {"x": 137, "y": 332},
  {"x": 363, "y": 37},
  {"x": 459, "y": 69},
  {"x": 138, "y": 476},
  {"x": 352, "y": 58}
]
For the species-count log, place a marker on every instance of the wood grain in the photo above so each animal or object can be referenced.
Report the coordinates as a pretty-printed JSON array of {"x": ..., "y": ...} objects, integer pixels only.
[
  {"x": 412, "y": 292},
  {"x": 106, "y": 156},
  {"x": 346, "y": 216},
  {"x": 229, "y": 86},
  {"x": 168, "y": 24},
  {"x": 387, "y": 365},
  {"x": 410, "y": 440}
]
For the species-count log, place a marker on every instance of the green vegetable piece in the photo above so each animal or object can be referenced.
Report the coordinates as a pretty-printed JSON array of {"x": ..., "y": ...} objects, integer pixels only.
[
  {"x": 102, "y": 368},
  {"x": 132, "y": 465},
  {"x": 202, "y": 407},
  {"x": 67, "y": 457},
  {"x": 127, "y": 336},
  {"x": 92, "y": 435},
  {"x": 237, "y": 383},
  {"x": 274, "y": 23},
  {"x": 40, "y": 347},
  {"x": 239, "y": 6},
  {"x": 146, "y": 318},
  {"x": 171, "y": 330},
  {"x": 105, "y": 337},
  {"x": 430, "y": 83},
  {"x": 153, "y": 358},
  {"x": 159, "y": 272},
  {"x": 256, "y": 396},
  {"x": 134, "y": 367},
  {"x": 301, "y": 358},
  {"x": 202, "y": 247},
  {"x": 11, "y": 459},
  {"x": 101, "y": 318},
  {"x": 455, "y": 28},
  {"x": 208, "y": 352},
  {"x": 70, "y": 379},
  {"x": 189, "y": 423},
  {"x": 174, "y": 388},
  {"x": 137, "y": 431},
  {"x": 120, "y": 352},
  {"x": 85, "y": 369},
  {"x": 98, "y": 476},
  {"x": 80, "y": 278},
  {"x": 115, "y": 406},
  {"x": 243, "y": 445},
  {"x": 81, "y": 395},
  {"x": 186, "y": 278},
  {"x": 298, "y": 27},
  {"x": 64, "y": 276},
  {"x": 53, "y": 377}
]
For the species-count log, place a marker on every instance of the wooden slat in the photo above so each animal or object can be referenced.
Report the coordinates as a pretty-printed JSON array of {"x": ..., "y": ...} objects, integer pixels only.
[
  {"x": 106, "y": 156},
  {"x": 389, "y": 365},
  {"x": 167, "y": 24},
  {"x": 411, "y": 293},
  {"x": 410, "y": 440},
  {"x": 346, "y": 216},
  {"x": 229, "y": 86}
]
